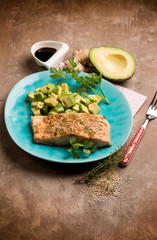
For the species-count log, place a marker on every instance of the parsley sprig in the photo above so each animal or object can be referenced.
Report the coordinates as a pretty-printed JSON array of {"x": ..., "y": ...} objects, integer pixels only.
[
  {"x": 87, "y": 147},
  {"x": 86, "y": 82}
]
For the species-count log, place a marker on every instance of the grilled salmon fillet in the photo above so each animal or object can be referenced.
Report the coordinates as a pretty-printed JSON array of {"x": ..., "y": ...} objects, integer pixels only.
[{"x": 57, "y": 128}]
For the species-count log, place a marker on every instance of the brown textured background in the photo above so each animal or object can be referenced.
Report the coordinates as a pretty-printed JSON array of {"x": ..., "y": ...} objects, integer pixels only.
[{"x": 38, "y": 199}]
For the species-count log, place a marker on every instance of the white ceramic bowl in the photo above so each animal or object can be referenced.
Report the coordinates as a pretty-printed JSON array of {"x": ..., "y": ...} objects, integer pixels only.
[{"x": 56, "y": 59}]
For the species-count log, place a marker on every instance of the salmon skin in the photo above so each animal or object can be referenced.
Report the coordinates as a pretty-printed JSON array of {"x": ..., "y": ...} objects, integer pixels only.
[{"x": 57, "y": 128}]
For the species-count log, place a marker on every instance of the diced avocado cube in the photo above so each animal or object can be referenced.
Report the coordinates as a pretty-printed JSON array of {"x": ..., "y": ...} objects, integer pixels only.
[
  {"x": 39, "y": 96},
  {"x": 38, "y": 90},
  {"x": 95, "y": 98},
  {"x": 94, "y": 108},
  {"x": 51, "y": 102},
  {"x": 76, "y": 108},
  {"x": 63, "y": 104},
  {"x": 34, "y": 104},
  {"x": 78, "y": 99},
  {"x": 75, "y": 95},
  {"x": 45, "y": 97},
  {"x": 68, "y": 111},
  {"x": 57, "y": 90},
  {"x": 51, "y": 112},
  {"x": 86, "y": 101},
  {"x": 37, "y": 105},
  {"x": 83, "y": 108},
  {"x": 63, "y": 96},
  {"x": 59, "y": 108},
  {"x": 45, "y": 109},
  {"x": 30, "y": 96},
  {"x": 40, "y": 105},
  {"x": 36, "y": 111},
  {"x": 53, "y": 95},
  {"x": 65, "y": 87},
  {"x": 68, "y": 100},
  {"x": 46, "y": 90},
  {"x": 51, "y": 85}
]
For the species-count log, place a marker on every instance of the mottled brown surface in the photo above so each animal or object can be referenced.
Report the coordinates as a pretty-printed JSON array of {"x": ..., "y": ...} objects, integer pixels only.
[{"x": 38, "y": 199}]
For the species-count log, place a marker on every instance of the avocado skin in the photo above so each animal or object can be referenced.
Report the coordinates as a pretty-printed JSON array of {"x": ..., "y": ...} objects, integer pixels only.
[
  {"x": 117, "y": 80},
  {"x": 110, "y": 78}
]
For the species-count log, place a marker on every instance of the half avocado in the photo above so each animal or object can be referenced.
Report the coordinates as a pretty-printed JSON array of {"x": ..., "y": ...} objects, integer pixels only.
[{"x": 113, "y": 63}]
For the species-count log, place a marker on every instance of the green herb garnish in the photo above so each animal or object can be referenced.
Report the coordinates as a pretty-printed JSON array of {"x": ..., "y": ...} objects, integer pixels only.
[
  {"x": 57, "y": 73},
  {"x": 87, "y": 147},
  {"x": 86, "y": 82},
  {"x": 73, "y": 64}
]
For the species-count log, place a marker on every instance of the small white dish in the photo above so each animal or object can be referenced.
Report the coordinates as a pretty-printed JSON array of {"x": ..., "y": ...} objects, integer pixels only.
[{"x": 56, "y": 59}]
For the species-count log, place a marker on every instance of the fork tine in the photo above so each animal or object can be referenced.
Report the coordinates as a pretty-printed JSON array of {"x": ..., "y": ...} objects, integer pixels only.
[
  {"x": 155, "y": 104},
  {"x": 153, "y": 99}
]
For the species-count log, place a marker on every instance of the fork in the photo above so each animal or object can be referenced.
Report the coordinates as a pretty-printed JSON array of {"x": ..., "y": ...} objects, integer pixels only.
[{"x": 151, "y": 114}]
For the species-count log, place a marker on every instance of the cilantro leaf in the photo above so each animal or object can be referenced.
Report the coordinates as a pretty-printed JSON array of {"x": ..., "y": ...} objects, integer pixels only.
[
  {"x": 75, "y": 154},
  {"x": 72, "y": 139},
  {"x": 87, "y": 147},
  {"x": 93, "y": 149},
  {"x": 88, "y": 143},
  {"x": 87, "y": 151},
  {"x": 80, "y": 90},
  {"x": 75, "y": 74},
  {"x": 66, "y": 70},
  {"x": 85, "y": 82},
  {"x": 73, "y": 64},
  {"x": 57, "y": 73},
  {"x": 78, "y": 145}
]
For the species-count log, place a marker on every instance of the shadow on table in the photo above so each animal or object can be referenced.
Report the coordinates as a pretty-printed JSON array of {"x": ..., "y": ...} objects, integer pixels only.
[{"x": 29, "y": 66}]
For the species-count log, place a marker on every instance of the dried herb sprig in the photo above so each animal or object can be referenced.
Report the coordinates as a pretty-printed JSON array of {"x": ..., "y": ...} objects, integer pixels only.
[{"x": 104, "y": 167}]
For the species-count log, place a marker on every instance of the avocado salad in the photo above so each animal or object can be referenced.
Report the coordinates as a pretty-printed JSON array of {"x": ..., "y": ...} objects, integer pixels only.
[{"x": 54, "y": 99}]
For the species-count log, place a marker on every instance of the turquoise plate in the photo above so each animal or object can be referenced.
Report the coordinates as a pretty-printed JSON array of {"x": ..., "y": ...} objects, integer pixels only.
[{"x": 18, "y": 120}]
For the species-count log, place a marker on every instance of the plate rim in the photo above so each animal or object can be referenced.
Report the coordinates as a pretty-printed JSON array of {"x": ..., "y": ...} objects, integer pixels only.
[{"x": 74, "y": 161}]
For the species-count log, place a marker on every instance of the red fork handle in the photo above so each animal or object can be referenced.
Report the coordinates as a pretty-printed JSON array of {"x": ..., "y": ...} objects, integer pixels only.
[{"x": 126, "y": 157}]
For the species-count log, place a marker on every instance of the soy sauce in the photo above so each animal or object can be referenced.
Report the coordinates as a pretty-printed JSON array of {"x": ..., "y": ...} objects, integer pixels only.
[{"x": 43, "y": 54}]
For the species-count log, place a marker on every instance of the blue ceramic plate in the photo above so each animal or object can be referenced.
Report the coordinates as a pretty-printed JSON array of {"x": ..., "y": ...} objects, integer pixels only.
[{"x": 18, "y": 120}]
